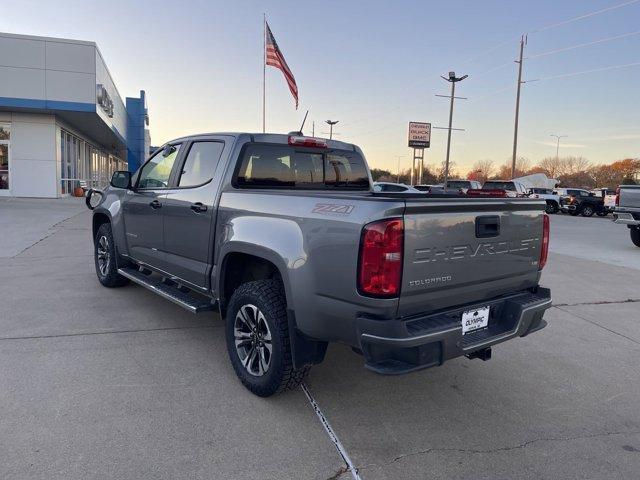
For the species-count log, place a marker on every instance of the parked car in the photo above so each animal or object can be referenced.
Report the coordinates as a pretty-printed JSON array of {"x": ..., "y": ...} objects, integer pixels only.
[
  {"x": 609, "y": 198},
  {"x": 463, "y": 185},
  {"x": 627, "y": 210},
  {"x": 285, "y": 237},
  {"x": 513, "y": 188},
  {"x": 394, "y": 187},
  {"x": 577, "y": 201},
  {"x": 547, "y": 194}
]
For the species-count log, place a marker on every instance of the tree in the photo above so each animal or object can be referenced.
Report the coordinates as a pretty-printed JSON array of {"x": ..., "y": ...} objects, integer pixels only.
[
  {"x": 550, "y": 166},
  {"x": 522, "y": 167},
  {"x": 481, "y": 171},
  {"x": 376, "y": 173}
]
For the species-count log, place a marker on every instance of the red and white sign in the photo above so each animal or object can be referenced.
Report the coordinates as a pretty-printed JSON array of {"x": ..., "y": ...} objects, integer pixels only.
[{"x": 419, "y": 135}]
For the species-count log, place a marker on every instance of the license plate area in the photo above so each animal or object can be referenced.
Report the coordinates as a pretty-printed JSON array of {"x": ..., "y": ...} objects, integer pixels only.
[{"x": 475, "y": 319}]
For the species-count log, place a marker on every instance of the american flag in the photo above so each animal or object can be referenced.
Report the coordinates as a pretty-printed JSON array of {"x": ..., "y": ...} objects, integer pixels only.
[{"x": 274, "y": 57}]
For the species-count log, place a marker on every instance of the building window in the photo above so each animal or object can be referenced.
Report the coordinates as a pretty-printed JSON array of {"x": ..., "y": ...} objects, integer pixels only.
[
  {"x": 5, "y": 137},
  {"x": 83, "y": 165}
]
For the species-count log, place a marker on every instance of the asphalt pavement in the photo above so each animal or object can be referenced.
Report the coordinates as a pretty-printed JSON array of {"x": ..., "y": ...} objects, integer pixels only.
[{"x": 117, "y": 383}]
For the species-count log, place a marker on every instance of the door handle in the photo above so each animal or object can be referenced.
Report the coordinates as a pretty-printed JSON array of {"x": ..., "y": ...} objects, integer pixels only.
[
  {"x": 155, "y": 204},
  {"x": 198, "y": 207}
]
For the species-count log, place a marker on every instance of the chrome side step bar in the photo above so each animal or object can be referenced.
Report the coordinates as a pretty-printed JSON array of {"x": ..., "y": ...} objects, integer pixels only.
[{"x": 171, "y": 293}]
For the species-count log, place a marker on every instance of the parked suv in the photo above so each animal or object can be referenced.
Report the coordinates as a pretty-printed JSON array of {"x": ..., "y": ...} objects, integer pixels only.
[{"x": 285, "y": 237}]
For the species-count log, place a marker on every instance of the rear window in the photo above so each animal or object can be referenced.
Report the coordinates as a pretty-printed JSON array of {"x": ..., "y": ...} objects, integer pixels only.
[
  {"x": 458, "y": 184},
  {"x": 282, "y": 166},
  {"x": 499, "y": 186}
]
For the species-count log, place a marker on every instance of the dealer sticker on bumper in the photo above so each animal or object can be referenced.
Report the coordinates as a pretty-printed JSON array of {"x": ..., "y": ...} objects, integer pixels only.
[{"x": 473, "y": 320}]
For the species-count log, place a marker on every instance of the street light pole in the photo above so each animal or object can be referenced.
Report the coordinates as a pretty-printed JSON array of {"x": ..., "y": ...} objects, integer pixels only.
[
  {"x": 453, "y": 80},
  {"x": 331, "y": 123},
  {"x": 558, "y": 137}
]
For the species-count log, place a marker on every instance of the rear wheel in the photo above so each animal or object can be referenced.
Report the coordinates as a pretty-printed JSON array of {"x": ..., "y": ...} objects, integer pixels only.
[
  {"x": 258, "y": 341},
  {"x": 551, "y": 207},
  {"x": 587, "y": 211},
  {"x": 635, "y": 236},
  {"x": 105, "y": 258}
]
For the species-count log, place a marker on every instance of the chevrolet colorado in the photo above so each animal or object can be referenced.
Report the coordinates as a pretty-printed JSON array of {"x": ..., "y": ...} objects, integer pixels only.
[{"x": 286, "y": 238}]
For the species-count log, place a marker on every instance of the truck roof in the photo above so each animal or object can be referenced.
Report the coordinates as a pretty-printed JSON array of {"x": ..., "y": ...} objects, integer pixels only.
[{"x": 271, "y": 138}]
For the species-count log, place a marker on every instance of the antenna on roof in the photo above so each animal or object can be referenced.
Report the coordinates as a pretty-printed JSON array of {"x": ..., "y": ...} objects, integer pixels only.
[{"x": 304, "y": 120}]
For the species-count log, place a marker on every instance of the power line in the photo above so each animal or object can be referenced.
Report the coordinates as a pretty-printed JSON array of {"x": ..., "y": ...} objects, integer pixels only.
[
  {"x": 582, "y": 17},
  {"x": 603, "y": 69},
  {"x": 581, "y": 45}
]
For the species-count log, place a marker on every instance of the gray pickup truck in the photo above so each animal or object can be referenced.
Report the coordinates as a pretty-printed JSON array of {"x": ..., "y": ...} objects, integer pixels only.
[
  {"x": 285, "y": 237},
  {"x": 627, "y": 210}
]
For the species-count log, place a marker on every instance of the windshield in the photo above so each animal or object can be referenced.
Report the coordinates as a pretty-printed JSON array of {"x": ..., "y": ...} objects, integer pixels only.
[{"x": 498, "y": 186}]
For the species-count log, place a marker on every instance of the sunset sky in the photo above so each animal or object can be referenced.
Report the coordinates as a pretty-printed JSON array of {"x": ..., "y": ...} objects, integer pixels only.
[{"x": 373, "y": 66}]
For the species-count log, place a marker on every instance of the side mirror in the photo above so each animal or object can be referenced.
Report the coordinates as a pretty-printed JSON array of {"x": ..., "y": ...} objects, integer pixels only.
[
  {"x": 168, "y": 150},
  {"x": 121, "y": 179}
]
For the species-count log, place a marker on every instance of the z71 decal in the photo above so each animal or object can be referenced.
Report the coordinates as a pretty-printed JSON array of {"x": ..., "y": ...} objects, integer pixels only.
[{"x": 332, "y": 208}]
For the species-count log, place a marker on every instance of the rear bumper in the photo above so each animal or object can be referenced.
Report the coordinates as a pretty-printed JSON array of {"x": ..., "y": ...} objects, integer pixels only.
[
  {"x": 401, "y": 346},
  {"x": 626, "y": 218},
  {"x": 568, "y": 208}
]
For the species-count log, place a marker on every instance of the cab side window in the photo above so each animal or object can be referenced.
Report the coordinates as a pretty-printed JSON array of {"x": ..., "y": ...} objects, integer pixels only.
[
  {"x": 156, "y": 172},
  {"x": 200, "y": 164}
]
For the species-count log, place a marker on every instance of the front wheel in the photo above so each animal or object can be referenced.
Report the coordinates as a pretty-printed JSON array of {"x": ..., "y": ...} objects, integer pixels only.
[
  {"x": 105, "y": 258},
  {"x": 635, "y": 236},
  {"x": 551, "y": 207},
  {"x": 257, "y": 335},
  {"x": 587, "y": 211}
]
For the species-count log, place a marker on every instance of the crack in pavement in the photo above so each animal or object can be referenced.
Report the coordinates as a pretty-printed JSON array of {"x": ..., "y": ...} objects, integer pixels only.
[
  {"x": 598, "y": 325},
  {"x": 109, "y": 332},
  {"x": 602, "y": 302},
  {"x": 499, "y": 449},
  {"x": 51, "y": 231}
]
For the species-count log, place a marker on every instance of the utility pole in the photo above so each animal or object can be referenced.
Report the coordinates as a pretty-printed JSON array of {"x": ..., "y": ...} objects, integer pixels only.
[
  {"x": 558, "y": 137},
  {"x": 331, "y": 123},
  {"x": 313, "y": 128},
  {"x": 398, "y": 176},
  {"x": 523, "y": 41},
  {"x": 453, "y": 80}
]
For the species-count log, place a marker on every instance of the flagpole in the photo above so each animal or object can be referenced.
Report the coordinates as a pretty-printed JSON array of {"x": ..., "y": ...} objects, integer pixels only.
[{"x": 264, "y": 68}]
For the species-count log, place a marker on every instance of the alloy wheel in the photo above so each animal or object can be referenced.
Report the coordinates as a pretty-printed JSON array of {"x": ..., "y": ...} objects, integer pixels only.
[
  {"x": 104, "y": 256},
  {"x": 252, "y": 340}
]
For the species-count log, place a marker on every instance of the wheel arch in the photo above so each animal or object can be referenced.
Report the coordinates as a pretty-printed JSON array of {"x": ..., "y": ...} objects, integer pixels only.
[{"x": 244, "y": 263}]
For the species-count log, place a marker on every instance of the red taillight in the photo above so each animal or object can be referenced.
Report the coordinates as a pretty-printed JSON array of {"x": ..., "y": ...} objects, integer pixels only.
[
  {"x": 544, "y": 249},
  {"x": 380, "y": 269},
  {"x": 307, "y": 142},
  {"x": 617, "y": 196}
]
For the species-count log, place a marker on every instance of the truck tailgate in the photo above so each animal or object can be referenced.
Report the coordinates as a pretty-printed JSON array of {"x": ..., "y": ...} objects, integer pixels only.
[
  {"x": 630, "y": 196},
  {"x": 460, "y": 251}
]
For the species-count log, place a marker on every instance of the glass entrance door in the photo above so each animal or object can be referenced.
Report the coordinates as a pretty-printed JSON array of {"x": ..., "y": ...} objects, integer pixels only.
[{"x": 4, "y": 157}]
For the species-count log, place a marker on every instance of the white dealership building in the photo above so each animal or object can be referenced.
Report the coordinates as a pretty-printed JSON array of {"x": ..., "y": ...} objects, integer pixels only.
[{"x": 63, "y": 124}]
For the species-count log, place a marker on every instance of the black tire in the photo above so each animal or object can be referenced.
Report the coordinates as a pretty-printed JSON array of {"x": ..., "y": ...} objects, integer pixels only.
[
  {"x": 635, "y": 236},
  {"x": 551, "y": 207},
  {"x": 587, "y": 211},
  {"x": 104, "y": 251},
  {"x": 269, "y": 299}
]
